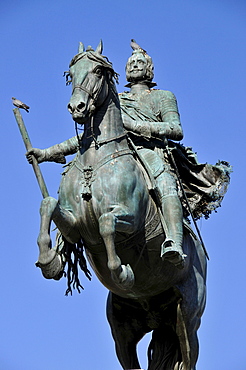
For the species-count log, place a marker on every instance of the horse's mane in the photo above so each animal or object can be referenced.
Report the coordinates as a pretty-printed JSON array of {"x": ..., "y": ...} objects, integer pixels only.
[{"x": 96, "y": 57}]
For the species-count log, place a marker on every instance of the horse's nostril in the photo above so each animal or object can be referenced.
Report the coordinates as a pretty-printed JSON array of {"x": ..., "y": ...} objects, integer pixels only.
[
  {"x": 70, "y": 108},
  {"x": 73, "y": 107},
  {"x": 80, "y": 106}
]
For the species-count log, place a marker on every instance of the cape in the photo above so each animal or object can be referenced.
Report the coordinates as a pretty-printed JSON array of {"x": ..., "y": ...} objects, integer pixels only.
[{"x": 204, "y": 184}]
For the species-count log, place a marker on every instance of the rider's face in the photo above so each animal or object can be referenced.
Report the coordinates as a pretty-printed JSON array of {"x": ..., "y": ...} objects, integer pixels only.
[{"x": 137, "y": 67}]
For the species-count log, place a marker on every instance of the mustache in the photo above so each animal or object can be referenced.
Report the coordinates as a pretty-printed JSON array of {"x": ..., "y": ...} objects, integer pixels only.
[{"x": 136, "y": 69}]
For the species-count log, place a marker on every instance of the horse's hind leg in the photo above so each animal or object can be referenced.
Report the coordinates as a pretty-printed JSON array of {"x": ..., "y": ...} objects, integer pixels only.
[
  {"x": 124, "y": 317},
  {"x": 191, "y": 329},
  {"x": 49, "y": 261}
]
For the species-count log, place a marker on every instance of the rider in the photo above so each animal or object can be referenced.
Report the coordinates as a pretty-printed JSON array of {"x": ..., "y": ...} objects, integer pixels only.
[{"x": 151, "y": 117}]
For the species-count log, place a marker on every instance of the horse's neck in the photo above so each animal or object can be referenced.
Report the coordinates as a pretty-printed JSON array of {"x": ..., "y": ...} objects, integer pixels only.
[
  {"x": 106, "y": 127},
  {"x": 107, "y": 121}
]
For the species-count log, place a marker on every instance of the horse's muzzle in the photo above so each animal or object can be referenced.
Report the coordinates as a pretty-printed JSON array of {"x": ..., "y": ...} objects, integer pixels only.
[{"x": 80, "y": 118}]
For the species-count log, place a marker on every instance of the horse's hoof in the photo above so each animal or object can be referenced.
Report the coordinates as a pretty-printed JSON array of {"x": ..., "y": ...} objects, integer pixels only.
[
  {"x": 52, "y": 269},
  {"x": 125, "y": 280},
  {"x": 127, "y": 276}
]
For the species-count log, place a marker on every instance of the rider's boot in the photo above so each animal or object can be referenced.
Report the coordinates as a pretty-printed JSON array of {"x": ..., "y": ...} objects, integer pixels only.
[{"x": 171, "y": 248}]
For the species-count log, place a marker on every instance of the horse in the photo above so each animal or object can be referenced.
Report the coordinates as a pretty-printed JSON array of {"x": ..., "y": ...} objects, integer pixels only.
[{"x": 104, "y": 201}]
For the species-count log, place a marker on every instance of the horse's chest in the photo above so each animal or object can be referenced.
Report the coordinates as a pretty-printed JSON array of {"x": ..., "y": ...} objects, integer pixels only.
[
  {"x": 75, "y": 188},
  {"x": 75, "y": 195}
]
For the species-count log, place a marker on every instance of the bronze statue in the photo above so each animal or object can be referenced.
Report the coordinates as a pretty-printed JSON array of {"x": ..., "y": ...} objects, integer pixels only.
[{"x": 113, "y": 205}]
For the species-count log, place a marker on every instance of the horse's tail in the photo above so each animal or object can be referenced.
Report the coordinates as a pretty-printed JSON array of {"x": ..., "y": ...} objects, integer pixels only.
[{"x": 164, "y": 349}]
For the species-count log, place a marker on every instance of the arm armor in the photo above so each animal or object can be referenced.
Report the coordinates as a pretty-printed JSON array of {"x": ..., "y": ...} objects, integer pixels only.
[
  {"x": 161, "y": 118},
  {"x": 57, "y": 153}
]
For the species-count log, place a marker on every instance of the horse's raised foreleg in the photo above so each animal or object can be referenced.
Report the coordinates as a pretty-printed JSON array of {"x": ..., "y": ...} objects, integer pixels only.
[
  {"x": 108, "y": 224},
  {"x": 46, "y": 254},
  {"x": 49, "y": 261}
]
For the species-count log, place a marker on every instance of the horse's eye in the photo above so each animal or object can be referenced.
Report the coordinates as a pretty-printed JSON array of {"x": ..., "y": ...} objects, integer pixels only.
[
  {"x": 98, "y": 71},
  {"x": 68, "y": 75}
]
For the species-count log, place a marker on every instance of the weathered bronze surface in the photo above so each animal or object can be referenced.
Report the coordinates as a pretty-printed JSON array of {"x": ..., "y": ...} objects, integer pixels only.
[{"x": 125, "y": 199}]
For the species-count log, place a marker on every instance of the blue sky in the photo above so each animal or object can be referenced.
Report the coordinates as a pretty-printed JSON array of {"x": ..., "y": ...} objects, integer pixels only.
[{"x": 198, "y": 48}]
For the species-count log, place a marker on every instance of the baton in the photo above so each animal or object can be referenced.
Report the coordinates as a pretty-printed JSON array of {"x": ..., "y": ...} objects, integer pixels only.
[{"x": 28, "y": 146}]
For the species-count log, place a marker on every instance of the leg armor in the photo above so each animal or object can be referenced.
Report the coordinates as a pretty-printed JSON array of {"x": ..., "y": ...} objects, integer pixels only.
[{"x": 171, "y": 249}]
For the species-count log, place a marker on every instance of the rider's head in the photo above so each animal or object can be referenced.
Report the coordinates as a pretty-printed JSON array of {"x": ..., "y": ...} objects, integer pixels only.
[{"x": 139, "y": 67}]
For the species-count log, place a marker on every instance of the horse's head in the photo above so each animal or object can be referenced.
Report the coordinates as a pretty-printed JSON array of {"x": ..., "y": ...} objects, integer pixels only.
[{"x": 91, "y": 73}]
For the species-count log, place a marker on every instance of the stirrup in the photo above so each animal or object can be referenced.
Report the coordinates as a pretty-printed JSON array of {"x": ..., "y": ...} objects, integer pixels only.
[{"x": 173, "y": 254}]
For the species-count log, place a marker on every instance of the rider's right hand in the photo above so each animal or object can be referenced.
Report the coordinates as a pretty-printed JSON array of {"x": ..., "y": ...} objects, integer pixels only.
[{"x": 39, "y": 154}]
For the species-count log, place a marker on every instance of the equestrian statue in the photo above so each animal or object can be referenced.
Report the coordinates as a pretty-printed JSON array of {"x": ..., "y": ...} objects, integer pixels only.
[{"x": 125, "y": 205}]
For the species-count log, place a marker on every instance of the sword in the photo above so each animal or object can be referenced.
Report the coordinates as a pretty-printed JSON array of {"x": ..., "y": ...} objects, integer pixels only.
[
  {"x": 186, "y": 200},
  {"x": 28, "y": 146}
]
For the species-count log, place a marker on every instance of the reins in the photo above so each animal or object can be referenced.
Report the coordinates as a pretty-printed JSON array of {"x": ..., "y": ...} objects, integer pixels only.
[
  {"x": 99, "y": 143},
  {"x": 94, "y": 96}
]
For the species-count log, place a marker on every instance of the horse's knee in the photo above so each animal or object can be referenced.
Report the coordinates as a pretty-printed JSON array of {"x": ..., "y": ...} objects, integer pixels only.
[
  {"x": 111, "y": 222},
  {"x": 44, "y": 240},
  {"x": 107, "y": 224},
  {"x": 47, "y": 206}
]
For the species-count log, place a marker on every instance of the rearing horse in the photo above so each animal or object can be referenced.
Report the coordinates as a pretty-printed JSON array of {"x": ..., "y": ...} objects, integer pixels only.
[{"x": 105, "y": 202}]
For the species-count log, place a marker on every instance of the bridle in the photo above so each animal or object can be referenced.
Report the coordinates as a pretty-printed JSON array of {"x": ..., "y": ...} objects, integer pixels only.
[
  {"x": 92, "y": 107},
  {"x": 93, "y": 103},
  {"x": 94, "y": 95}
]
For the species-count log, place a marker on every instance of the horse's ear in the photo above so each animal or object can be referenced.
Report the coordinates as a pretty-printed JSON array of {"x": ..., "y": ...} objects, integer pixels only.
[
  {"x": 99, "y": 49},
  {"x": 81, "y": 48}
]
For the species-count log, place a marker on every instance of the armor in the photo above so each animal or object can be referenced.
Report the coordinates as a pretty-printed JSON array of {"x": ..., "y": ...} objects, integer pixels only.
[{"x": 151, "y": 118}]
